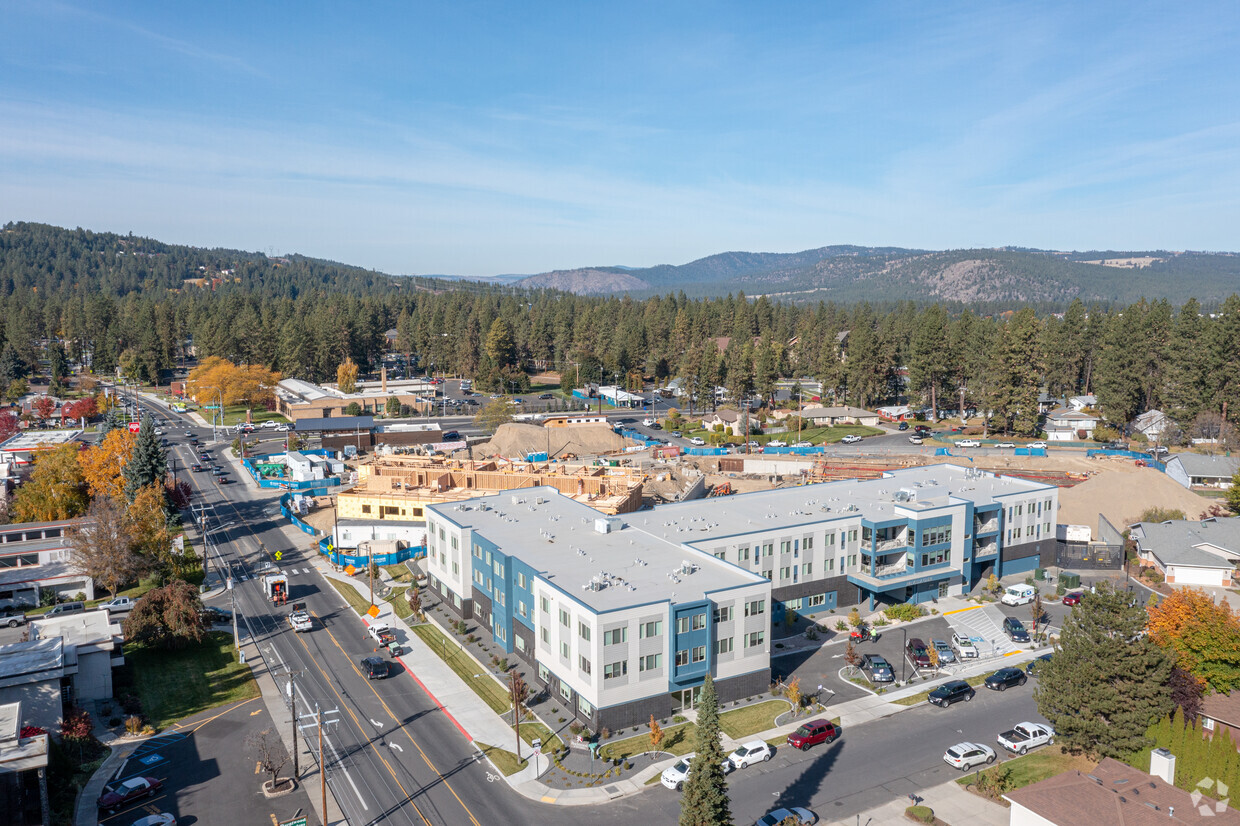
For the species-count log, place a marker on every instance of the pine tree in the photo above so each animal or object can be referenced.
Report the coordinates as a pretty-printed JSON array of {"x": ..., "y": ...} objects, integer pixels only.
[
  {"x": 147, "y": 465},
  {"x": 705, "y": 801},
  {"x": 1107, "y": 683}
]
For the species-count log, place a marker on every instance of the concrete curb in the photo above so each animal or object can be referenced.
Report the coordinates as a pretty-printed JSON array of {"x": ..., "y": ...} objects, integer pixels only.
[{"x": 85, "y": 813}]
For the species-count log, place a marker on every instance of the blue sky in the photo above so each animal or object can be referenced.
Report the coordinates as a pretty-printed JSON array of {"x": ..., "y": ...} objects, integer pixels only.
[{"x": 480, "y": 138}]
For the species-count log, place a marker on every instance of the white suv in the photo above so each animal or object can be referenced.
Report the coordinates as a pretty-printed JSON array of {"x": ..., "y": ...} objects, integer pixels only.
[
  {"x": 755, "y": 751},
  {"x": 674, "y": 776},
  {"x": 963, "y": 645},
  {"x": 697, "y": 440}
]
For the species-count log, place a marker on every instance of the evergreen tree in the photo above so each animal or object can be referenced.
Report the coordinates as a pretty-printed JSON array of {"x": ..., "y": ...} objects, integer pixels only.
[
  {"x": 12, "y": 367},
  {"x": 148, "y": 464},
  {"x": 929, "y": 357},
  {"x": 705, "y": 801},
  {"x": 1107, "y": 682}
]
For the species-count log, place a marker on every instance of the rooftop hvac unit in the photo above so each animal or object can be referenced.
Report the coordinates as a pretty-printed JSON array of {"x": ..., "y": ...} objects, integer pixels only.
[{"x": 607, "y": 524}]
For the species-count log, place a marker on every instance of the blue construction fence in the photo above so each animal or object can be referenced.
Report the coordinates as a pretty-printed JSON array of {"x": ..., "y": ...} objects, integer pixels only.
[
  {"x": 1148, "y": 458},
  {"x": 339, "y": 557},
  {"x": 250, "y": 464},
  {"x": 630, "y": 433}
]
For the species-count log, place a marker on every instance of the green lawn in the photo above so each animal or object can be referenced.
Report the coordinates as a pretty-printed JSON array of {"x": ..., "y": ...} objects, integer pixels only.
[
  {"x": 743, "y": 722},
  {"x": 535, "y": 729},
  {"x": 923, "y": 696},
  {"x": 1035, "y": 766},
  {"x": 677, "y": 740},
  {"x": 175, "y": 684},
  {"x": 505, "y": 761},
  {"x": 399, "y": 573},
  {"x": 484, "y": 686},
  {"x": 235, "y": 414},
  {"x": 351, "y": 596},
  {"x": 400, "y": 605}
]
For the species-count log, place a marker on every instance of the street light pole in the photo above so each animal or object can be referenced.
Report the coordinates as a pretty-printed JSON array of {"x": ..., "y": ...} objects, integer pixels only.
[{"x": 904, "y": 658}]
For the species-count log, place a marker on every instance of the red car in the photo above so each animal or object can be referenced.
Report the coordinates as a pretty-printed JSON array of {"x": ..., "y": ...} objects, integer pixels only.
[
  {"x": 1072, "y": 599},
  {"x": 126, "y": 791},
  {"x": 812, "y": 733}
]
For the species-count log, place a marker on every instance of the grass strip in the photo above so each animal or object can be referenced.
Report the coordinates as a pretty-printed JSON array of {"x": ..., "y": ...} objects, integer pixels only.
[
  {"x": 677, "y": 740},
  {"x": 356, "y": 601},
  {"x": 173, "y": 685},
  {"x": 925, "y": 695},
  {"x": 1025, "y": 771},
  {"x": 484, "y": 685},
  {"x": 505, "y": 761},
  {"x": 742, "y": 722}
]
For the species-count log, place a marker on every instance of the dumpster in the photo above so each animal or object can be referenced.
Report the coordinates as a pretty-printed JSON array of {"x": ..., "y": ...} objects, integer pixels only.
[{"x": 1070, "y": 581}]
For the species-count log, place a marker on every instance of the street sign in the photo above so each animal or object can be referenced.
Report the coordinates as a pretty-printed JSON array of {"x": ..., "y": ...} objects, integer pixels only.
[
  {"x": 134, "y": 427},
  {"x": 301, "y": 821},
  {"x": 278, "y": 555}
]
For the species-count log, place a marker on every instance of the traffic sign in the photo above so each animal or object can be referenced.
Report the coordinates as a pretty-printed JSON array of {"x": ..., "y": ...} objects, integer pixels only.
[
  {"x": 301, "y": 821},
  {"x": 279, "y": 554},
  {"x": 134, "y": 427}
]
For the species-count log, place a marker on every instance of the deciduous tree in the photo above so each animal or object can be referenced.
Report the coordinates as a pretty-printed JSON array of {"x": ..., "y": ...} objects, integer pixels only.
[
  {"x": 494, "y": 414},
  {"x": 346, "y": 376},
  {"x": 1108, "y": 682},
  {"x": 169, "y": 617},
  {"x": 656, "y": 734},
  {"x": 103, "y": 466},
  {"x": 705, "y": 801},
  {"x": 55, "y": 489},
  {"x": 1203, "y": 637},
  {"x": 103, "y": 549},
  {"x": 43, "y": 406}
]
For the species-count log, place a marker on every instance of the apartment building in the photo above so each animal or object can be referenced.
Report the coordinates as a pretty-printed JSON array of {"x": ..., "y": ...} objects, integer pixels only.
[{"x": 693, "y": 587}]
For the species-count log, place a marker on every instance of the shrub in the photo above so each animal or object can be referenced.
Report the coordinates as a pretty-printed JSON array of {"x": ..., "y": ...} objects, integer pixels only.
[
  {"x": 80, "y": 596},
  {"x": 923, "y": 814},
  {"x": 904, "y": 612},
  {"x": 678, "y": 719},
  {"x": 1153, "y": 575},
  {"x": 133, "y": 724},
  {"x": 841, "y": 626},
  {"x": 880, "y": 622},
  {"x": 810, "y": 633}
]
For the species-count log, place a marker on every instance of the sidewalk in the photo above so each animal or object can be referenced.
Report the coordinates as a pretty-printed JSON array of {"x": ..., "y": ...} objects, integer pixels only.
[{"x": 951, "y": 804}]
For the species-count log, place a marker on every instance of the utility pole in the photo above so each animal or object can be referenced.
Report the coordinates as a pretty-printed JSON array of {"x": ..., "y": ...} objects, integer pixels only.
[
  {"x": 292, "y": 697},
  {"x": 320, "y": 720}
]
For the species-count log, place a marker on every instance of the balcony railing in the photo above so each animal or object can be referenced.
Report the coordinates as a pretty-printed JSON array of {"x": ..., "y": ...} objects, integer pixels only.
[
  {"x": 894, "y": 569},
  {"x": 985, "y": 527},
  {"x": 984, "y": 548},
  {"x": 893, "y": 544}
]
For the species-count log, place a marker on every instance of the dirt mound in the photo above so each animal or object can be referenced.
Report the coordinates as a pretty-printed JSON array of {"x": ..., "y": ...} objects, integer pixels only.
[
  {"x": 516, "y": 440},
  {"x": 1122, "y": 494}
]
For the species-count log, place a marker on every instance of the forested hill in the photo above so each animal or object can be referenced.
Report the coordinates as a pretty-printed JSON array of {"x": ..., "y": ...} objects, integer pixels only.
[
  {"x": 990, "y": 276},
  {"x": 64, "y": 262}
]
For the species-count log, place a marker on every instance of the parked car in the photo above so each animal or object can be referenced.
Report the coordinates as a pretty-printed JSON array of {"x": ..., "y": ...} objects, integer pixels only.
[
  {"x": 1004, "y": 677},
  {"x": 968, "y": 443},
  {"x": 374, "y": 668},
  {"x": 917, "y": 653},
  {"x": 1018, "y": 595},
  {"x": 903, "y": 426},
  {"x": 804, "y": 444},
  {"x": 812, "y": 733},
  {"x": 283, "y": 428},
  {"x": 127, "y": 791},
  {"x": 67, "y": 608},
  {"x": 161, "y": 819},
  {"x": 755, "y": 751},
  {"x": 545, "y": 396},
  {"x": 1036, "y": 665},
  {"x": 1024, "y": 736},
  {"x": 851, "y": 439},
  {"x": 118, "y": 604},
  {"x": 946, "y": 655},
  {"x": 215, "y": 616},
  {"x": 1038, "y": 445},
  {"x": 965, "y": 756},
  {"x": 952, "y": 692},
  {"x": 674, "y": 776},
  {"x": 780, "y": 815},
  {"x": 696, "y": 440},
  {"x": 915, "y": 440},
  {"x": 13, "y": 618},
  {"x": 923, "y": 430},
  {"x": 678, "y": 435},
  {"x": 1015, "y": 629},
  {"x": 267, "y": 424},
  {"x": 776, "y": 443},
  {"x": 877, "y": 669},
  {"x": 1005, "y": 444},
  {"x": 1073, "y": 598}
]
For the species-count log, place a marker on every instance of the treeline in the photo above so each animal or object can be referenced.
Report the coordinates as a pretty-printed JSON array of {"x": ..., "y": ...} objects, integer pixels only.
[{"x": 303, "y": 318}]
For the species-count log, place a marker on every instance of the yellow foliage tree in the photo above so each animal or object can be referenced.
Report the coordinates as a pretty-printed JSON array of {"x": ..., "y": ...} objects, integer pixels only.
[
  {"x": 346, "y": 376},
  {"x": 55, "y": 490},
  {"x": 251, "y": 384},
  {"x": 103, "y": 466},
  {"x": 148, "y": 523},
  {"x": 1204, "y": 637}
]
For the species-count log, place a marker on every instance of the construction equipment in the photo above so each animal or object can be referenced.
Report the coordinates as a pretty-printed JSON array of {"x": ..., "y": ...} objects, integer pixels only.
[{"x": 275, "y": 587}]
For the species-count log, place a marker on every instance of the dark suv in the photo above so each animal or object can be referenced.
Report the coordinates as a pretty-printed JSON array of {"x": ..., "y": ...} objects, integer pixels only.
[
  {"x": 952, "y": 692},
  {"x": 917, "y": 653},
  {"x": 812, "y": 733},
  {"x": 375, "y": 668},
  {"x": 877, "y": 669},
  {"x": 1015, "y": 629}
]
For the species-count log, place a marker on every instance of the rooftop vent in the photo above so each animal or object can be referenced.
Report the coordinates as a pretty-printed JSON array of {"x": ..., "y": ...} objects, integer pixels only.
[{"x": 607, "y": 524}]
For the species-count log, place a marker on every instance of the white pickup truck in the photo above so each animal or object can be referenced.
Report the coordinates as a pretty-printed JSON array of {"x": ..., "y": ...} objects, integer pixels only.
[
  {"x": 300, "y": 621},
  {"x": 1024, "y": 736}
]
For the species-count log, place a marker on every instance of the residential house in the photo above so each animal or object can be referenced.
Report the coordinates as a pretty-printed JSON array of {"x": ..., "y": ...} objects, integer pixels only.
[
  {"x": 895, "y": 413},
  {"x": 1152, "y": 424},
  {"x": 1047, "y": 403},
  {"x": 1115, "y": 794},
  {"x": 1067, "y": 425},
  {"x": 832, "y": 416},
  {"x": 1191, "y": 552},
  {"x": 1221, "y": 712},
  {"x": 1079, "y": 403},
  {"x": 1195, "y": 470},
  {"x": 731, "y": 421}
]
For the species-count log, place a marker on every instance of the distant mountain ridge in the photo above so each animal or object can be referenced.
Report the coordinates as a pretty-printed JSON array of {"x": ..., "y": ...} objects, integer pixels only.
[{"x": 848, "y": 273}]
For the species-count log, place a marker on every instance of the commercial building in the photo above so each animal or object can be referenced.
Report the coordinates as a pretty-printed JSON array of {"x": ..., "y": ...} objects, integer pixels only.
[
  {"x": 911, "y": 535},
  {"x": 23, "y": 448},
  {"x": 298, "y": 399},
  {"x": 35, "y": 555}
]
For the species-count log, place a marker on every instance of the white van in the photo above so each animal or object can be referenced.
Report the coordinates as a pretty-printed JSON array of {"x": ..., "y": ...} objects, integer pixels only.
[{"x": 1018, "y": 595}]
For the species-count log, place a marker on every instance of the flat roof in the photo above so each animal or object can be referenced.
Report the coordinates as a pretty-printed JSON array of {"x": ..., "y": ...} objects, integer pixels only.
[
  {"x": 934, "y": 486},
  {"x": 31, "y": 440},
  {"x": 628, "y": 566},
  {"x": 334, "y": 423},
  {"x": 33, "y": 661}
]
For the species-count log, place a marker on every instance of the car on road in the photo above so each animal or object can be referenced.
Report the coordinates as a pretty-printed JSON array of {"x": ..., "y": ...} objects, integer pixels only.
[
  {"x": 804, "y": 444},
  {"x": 915, "y": 440},
  {"x": 1073, "y": 598},
  {"x": 946, "y": 655},
  {"x": 903, "y": 426},
  {"x": 1005, "y": 677},
  {"x": 674, "y": 776},
  {"x": 776, "y": 443},
  {"x": 918, "y": 656},
  {"x": 545, "y": 396},
  {"x": 877, "y": 669},
  {"x": 13, "y": 618},
  {"x": 1038, "y": 445},
  {"x": 196, "y": 468},
  {"x": 755, "y": 751},
  {"x": 217, "y": 471},
  {"x": 774, "y": 818},
  {"x": 1015, "y": 629},
  {"x": 268, "y": 424},
  {"x": 300, "y": 621},
  {"x": 812, "y": 733},
  {"x": 968, "y": 443},
  {"x": 1024, "y": 736},
  {"x": 951, "y": 692},
  {"x": 125, "y": 792},
  {"x": 965, "y": 756},
  {"x": 118, "y": 604},
  {"x": 851, "y": 439},
  {"x": 283, "y": 428},
  {"x": 452, "y": 436},
  {"x": 374, "y": 668},
  {"x": 1005, "y": 444},
  {"x": 1036, "y": 665},
  {"x": 697, "y": 440},
  {"x": 677, "y": 434}
]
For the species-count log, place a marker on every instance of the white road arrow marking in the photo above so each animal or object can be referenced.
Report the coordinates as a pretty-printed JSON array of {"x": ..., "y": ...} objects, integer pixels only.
[
  {"x": 836, "y": 656},
  {"x": 398, "y": 748},
  {"x": 376, "y": 725}
]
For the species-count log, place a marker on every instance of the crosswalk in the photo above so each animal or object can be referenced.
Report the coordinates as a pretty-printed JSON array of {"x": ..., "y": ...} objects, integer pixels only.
[{"x": 984, "y": 626}]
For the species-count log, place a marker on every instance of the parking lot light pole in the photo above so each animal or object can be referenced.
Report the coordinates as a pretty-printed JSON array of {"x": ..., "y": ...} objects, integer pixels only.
[{"x": 904, "y": 659}]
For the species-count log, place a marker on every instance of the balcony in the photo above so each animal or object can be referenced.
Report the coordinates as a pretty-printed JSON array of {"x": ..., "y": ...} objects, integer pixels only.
[
  {"x": 893, "y": 544},
  {"x": 985, "y": 548},
  {"x": 989, "y": 526},
  {"x": 894, "y": 569}
]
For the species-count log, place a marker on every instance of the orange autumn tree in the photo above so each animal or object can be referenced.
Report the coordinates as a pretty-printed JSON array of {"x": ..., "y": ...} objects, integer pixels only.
[
  {"x": 1204, "y": 637},
  {"x": 103, "y": 466},
  {"x": 252, "y": 384}
]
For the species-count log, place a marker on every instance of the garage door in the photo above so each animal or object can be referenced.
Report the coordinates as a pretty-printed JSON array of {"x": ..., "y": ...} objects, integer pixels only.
[
  {"x": 1196, "y": 576},
  {"x": 1023, "y": 565}
]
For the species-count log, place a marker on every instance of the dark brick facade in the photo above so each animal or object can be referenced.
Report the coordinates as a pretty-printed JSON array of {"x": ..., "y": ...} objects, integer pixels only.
[
  {"x": 1043, "y": 548},
  {"x": 637, "y": 713},
  {"x": 847, "y": 594}
]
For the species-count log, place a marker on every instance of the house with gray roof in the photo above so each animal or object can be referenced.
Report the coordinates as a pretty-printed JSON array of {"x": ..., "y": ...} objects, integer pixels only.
[
  {"x": 1195, "y": 470},
  {"x": 1067, "y": 425},
  {"x": 1190, "y": 552}
]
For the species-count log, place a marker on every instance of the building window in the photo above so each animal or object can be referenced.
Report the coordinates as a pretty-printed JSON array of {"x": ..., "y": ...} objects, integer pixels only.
[
  {"x": 785, "y": 572},
  {"x": 477, "y": 550},
  {"x": 936, "y": 536},
  {"x": 756, "y": 607},
  {"x": 768, "y": 573},
  {"x": 682, "y": 625},
  {"x": 616, "y": 635},
  {"x": 564, "y": 650},
  {"x": 723, "y": 646},
  {"x": 785, "y": 546},
  {"x": 479, "y": 578},
  {"x": 650, "y": 629},
  {"x": 1207, "y": 723},
  {"x": 498, "y": 568},
  {"x": 699, "y": 653},
  {"x": 523, "y": 609},
  {"x": 454, "y": 544},
  {"x": 522, "y": 582},
  {"x": 442, "y": 535},
  {"x": 807, "y": 568},
  {"x": 584, "y": 664},
  {"x": 584, "y": 707},
  {"x": 583, "y": 630},
  {"x": 699, "y": 622},
  {"x": 831, "y": 539},
  {"x": 500, "y": 633},
  {"x": 564, "y": 618},
  {"x": 650, "y": 662},
  {"x": 499, "y": 598},
  {"x": 807, "y": 543},
  {"x": 755, "y": 640},
  {"x": 831, "y": 563},
  {"x": 546, "y": 604},
  {"x": 456, "y": 569},
  {"x": 566, "y": 692},
  {"x": 616, "y": 669},
  {"x": 768, "y": 549},
  {"x": 545, "y": 634},
  {"x": 456, "y": 600},
  {"x": 543, "y": 673},
  {"x": 936, "y": 558},
  {"x": 365, "y": 508},
  {"x": 723, "y": 613},
  {"x": 519, "y": 642},
  {"x": 682, "y": 658},
  {"x": 852, "y": 560},
  {"x": 720, "y": 555},
  {"x": 742, "y": 553},
  {"x": 817, "y": 599}
]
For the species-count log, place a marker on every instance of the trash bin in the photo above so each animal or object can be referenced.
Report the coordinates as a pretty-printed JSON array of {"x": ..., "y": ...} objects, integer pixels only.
[{"x": 1070, "y": 581}]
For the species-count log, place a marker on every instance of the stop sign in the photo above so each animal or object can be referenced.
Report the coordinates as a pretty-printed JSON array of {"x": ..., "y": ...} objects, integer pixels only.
[{"x": 134, "y": 427}]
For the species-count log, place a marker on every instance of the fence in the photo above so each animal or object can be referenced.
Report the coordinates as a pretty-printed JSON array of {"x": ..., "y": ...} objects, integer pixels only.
[
  {"x": 1088, "y": 556},
  {"x": 1148, "y": 458},
  {"x": 250, "y": 463},
  {"x": 339, "y": 557}
]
